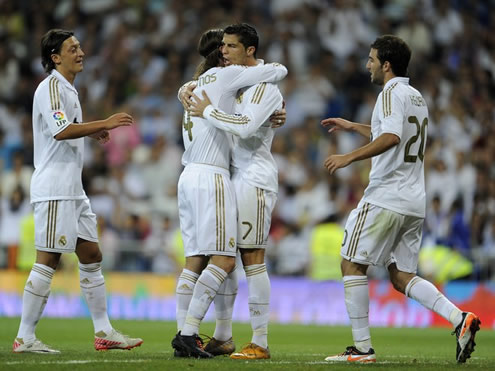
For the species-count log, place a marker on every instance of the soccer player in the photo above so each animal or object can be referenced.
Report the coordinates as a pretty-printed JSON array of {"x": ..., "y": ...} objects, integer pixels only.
[
  {"x": 207, "y": 208},
  {"x": 63, "y": 218},
  {"x": 255, "y": 178},
  {"x": 386, "y": 227}
]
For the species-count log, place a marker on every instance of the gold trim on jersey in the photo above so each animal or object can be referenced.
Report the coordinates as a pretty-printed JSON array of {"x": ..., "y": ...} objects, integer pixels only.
[
  {"x": 51, "y": 224},
  {"x": 220, "y": 212},
  {"x": 260, "y": 217},
  {"x": 229, "y": 119},
  {"x": 258, "y": 94},
  {"x": 54, "y": 94},
  {"x": 358, "y": 228},
  {"x": 387, "y": 100}
]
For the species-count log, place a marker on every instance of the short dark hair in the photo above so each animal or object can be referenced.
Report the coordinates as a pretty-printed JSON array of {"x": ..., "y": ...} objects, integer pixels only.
[
  {"x": 247, "y": 35},
  {"x": 394, "y": 50},
  {"x": 51, "y": 42},
  {"x": 209, "y": 47}
]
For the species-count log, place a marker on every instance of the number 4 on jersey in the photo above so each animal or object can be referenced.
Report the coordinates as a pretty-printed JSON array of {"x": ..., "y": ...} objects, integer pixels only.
[{"x": 188, "y": 125}]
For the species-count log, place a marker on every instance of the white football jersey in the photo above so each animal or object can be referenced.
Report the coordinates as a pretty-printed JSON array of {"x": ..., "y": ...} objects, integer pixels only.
[
  {"x": 253, "y": 135},
  {"x": 397, "y": 175},
  {"x": 58, "y": 163},
  {"x": 205, "y": 144}
]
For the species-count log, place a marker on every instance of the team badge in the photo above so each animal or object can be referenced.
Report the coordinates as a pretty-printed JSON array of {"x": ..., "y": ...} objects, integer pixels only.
[
  {"x": 62, "y": 241},
  {"x": 232, "y": 242}
]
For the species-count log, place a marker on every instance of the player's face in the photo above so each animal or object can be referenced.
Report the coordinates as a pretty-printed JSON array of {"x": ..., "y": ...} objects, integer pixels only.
[
  {"x": 233, "y": 51},
  {"x": 375, "y": 68},
  {"x": 71, "y": 56}
]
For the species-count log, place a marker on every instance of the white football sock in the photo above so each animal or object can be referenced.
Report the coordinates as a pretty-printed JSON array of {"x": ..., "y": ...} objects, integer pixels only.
[
  {"x": 36, "y": 292},
  {"x": 224, "y": 306},
  {"x": 93, "y": 287},
  {"x": 259, "y": 302},
  {"x": 204, "y": 292},
  {"x": 428, "y": 295},
  {"x": 357, "y": 302},
  {"x": 183, "y": 295}
]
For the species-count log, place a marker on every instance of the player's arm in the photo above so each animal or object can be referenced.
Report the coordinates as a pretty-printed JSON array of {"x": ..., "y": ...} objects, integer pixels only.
[
  {"x": 264, "y": 100},
  {"x": 74, "y": 131},
  {"x": 52, "y": 108},
  {"x": 237, "y": 77},
  {"x": 336, "y": 124},
  {"x": 381, "y": 144}
]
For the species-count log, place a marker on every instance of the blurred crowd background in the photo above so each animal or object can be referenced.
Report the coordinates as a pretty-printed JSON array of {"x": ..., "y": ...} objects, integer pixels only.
[{"x": 139, "y": 52}]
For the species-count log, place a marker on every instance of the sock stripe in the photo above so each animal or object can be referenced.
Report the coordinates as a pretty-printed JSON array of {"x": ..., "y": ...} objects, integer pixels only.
[
  {"x": 255, "y": 271},
  {"x": 42, "y": 271},
  {"x": 32, "y": 293},
  {"x": 92, "y": 287},
  {"x": 188, "y": 277},
  {"x": 216, "y": 273}
]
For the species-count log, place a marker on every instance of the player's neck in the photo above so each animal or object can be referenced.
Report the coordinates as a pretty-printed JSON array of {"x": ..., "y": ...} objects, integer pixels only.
[
  {"x": 387, "y": 78},
  {"x": 70, "y": 77},
  {"x": 251, "y": 62}
]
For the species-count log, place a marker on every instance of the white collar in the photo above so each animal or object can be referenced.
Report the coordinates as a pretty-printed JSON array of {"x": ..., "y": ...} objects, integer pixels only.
[
  {"x": 62, "y": 79},
  {"x": 403, "y": 80}
]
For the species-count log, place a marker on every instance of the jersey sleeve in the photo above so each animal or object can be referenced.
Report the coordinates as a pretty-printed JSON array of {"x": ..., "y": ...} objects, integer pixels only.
[
  {"x": 241, "y": 76},
  {"x": 392, "y": 113},
  {"x": 262, "y": 102},
  {"x": 51, "y": 106}
]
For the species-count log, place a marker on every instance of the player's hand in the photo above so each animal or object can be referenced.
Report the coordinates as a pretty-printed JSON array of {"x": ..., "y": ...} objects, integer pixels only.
[
  {"x": 278, "y": 118},
  {"x": 198, "y": 105},
  {"x": 185, "y": 94},
  {"x": 118, "y": 119},
  {"x": 335, "y": 162},
  {"x": 335, "y": 124},
  {"x": 102, "y": 136}
]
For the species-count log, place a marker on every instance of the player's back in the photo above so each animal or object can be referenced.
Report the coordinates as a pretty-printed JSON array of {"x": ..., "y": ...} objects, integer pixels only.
[
  {"x": 58, "y": 163},
  {"x": 203, "y": 143},
  {"x": 397, "y": 175}
]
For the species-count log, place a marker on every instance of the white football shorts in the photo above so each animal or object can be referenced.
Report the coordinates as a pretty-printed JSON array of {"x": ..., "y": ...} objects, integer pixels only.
[
  {"x": 207, "y": 211},
  {"x": 59, "y": 223},
  {"x": 254, "y": 209},
  {"x": 378, "y": 236}
]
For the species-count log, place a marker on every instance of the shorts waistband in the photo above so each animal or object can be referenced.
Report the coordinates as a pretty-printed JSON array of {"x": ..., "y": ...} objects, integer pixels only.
[{"x": 207, "y": 167}]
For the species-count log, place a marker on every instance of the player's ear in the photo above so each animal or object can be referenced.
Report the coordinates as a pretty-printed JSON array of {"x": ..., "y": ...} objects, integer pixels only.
[
  {"x": 250, "y": 51},
  {"x": 386, "y": 66},
  {"x": 56, "y": 58}
]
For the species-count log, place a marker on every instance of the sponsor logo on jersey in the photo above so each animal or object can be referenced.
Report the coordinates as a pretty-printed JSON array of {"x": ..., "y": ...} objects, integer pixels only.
[{"x": 58, "y": 116}]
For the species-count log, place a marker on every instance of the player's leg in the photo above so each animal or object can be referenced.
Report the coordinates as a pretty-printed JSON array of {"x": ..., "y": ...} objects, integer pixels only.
[
  {"x": 403, "y": 276},
  {"x": 222, "y": 343},
  {"x": 185, "y": 286},
  {"x": 370, "y": 233},
  {"x": 259, "y": 290},
  {"x": 34, "y": 299},
  {"x": 252, "y": 231},
  {"x": 92, "y": 282},
  {"x": 55, "y": 233},
  {"x": 214, "y": 214}
]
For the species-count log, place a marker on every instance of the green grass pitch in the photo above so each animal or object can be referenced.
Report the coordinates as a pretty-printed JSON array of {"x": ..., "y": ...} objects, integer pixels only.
[{"x": 293, "y": 347}]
